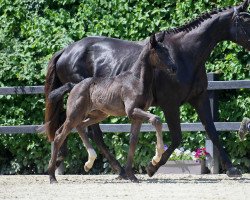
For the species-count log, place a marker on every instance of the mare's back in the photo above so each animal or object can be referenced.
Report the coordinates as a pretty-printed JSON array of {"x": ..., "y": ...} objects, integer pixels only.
[{"x": 98, "y": 57}]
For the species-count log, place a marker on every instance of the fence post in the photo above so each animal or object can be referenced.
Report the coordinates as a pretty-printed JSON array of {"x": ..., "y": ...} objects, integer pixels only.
[{"x": 211, "y": 149}]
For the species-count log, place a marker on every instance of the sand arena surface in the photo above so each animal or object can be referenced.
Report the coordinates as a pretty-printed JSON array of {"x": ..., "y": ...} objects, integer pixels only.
[{"x": 181, "y": 187}]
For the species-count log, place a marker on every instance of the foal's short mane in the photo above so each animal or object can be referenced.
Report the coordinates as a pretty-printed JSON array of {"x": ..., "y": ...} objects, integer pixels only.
[{"x": 196, "y": 22}]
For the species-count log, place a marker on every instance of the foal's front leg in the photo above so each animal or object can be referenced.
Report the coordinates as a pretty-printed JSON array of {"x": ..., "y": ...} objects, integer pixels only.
[
  {"x": 156, "y": 122},
  {"x": 135, "y": 130},
  {"x": 172, "y": 117}
]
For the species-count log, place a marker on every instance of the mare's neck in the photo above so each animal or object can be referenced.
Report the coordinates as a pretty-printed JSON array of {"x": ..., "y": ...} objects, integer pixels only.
[{"x": 200, "y": 42}]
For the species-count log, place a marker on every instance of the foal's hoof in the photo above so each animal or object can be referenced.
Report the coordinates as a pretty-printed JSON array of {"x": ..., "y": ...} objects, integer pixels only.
[
  {"x": 53, "y": 180},
  {"x": 86, "y": 169},
  {"x": 234, "y": 172},
  {"x": 151, "y": 169}
]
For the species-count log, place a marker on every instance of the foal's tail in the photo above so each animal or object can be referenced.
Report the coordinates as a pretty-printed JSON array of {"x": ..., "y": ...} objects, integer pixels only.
[
  {"x": 57, "y": 94},
  {"x": 53, "y": 110}
]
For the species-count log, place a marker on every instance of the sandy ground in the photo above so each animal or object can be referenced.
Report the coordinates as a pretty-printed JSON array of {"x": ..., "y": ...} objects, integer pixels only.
[{"x": 181, "y": 187}]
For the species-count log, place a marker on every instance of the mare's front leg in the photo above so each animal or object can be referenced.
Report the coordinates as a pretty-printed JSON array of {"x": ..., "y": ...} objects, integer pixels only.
[
  {"x": 172, "y": 116},
  {"x": 135, "y": 130},
  {"x": 202, "y": 106}
]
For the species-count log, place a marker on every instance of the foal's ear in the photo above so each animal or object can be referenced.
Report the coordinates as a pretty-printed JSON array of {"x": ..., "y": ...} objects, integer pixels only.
[
  {"x": 161, "y": 37},
  {"x": 153, "y": 41}
]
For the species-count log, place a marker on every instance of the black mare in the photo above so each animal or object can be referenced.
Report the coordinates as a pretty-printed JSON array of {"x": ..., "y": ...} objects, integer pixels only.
[{"x": 189, "y": 47}]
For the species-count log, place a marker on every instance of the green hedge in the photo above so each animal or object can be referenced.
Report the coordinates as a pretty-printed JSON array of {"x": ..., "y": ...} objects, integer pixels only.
[{"x": 31, "y": 31}]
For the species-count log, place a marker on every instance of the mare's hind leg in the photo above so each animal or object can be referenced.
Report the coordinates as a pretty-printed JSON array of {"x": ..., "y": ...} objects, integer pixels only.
[
  {"x": 156, "y": 122},
  {"x": 61, "y": 135}
]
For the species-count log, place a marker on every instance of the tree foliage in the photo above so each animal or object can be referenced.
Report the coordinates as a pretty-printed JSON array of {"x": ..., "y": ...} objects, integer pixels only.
[{"x": 31, "y": 31}]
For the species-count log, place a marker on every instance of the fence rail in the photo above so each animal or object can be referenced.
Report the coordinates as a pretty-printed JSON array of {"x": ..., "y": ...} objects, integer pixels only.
[
  {"x": 212, "y": 85},
  {"x": 110, "y": 128},
  {"x": 22, "y": 90}
]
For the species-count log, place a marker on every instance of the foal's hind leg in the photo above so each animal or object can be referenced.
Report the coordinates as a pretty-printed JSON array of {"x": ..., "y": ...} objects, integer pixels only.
[
  {"x": 61, "y": 135},
  {"x": 97, "y": 135},
  {"x": 156, "y": 122},
  {"x": 96, "y": 117},
  {"x": 91, "y": 152}
]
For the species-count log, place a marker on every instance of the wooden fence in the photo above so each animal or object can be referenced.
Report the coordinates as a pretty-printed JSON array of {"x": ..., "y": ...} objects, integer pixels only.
[{"x": 213, "y": 86}]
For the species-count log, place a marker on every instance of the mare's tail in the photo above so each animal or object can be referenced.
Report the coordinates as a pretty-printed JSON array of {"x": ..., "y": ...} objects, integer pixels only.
[
  {"x": 54, "y": 113},
  {"x": 57, "y": 94}
]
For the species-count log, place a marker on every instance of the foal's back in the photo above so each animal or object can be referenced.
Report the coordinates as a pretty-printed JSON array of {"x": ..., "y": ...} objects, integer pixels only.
[{"x": 106, "y": 94}]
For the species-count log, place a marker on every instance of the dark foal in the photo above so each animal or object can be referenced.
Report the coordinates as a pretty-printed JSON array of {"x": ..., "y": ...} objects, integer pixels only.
[
  {"x": 189, "y": 48},
  {"x": 128, "y": 94}
]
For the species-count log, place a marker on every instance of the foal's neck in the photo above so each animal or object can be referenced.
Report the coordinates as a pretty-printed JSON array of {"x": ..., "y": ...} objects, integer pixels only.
[{"x": 144, "y": 71}]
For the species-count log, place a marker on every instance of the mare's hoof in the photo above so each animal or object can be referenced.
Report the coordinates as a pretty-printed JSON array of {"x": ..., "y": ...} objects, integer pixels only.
[
  {"x": 86, "y": 169},
  {"x": 133, "y": 178},
  {"x": 234, "y": 172},
  {"x": 122, "y": 176},
  {"x": 151, "y": 169}
]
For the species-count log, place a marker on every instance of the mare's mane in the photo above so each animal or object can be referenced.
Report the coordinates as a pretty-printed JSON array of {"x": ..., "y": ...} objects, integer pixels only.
[{"x": 196, "y": 22}]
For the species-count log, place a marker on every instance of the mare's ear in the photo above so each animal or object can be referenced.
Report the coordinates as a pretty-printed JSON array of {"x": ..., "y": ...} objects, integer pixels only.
[
  {"x": 153, "y": 41},
  {"x": 244, "y": 6},
  {"x": 161, "y": 37}
]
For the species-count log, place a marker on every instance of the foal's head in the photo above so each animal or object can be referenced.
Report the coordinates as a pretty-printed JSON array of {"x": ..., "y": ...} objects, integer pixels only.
[{"x": 155, "y": 53}]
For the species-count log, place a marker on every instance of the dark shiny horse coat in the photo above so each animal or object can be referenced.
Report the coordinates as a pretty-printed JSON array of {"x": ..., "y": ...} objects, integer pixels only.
[{"x": 189, "y": 46}]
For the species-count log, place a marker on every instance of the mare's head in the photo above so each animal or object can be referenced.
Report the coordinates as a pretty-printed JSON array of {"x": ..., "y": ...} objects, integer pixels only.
[
  {"x": 240, "y": 25},
  {"x": 157, "y": 54}
]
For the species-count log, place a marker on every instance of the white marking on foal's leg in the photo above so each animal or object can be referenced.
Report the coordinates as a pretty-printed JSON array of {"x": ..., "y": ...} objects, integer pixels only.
[
  {"x": 91, "y": 159},
  {"x": 158, "y": 154}
]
